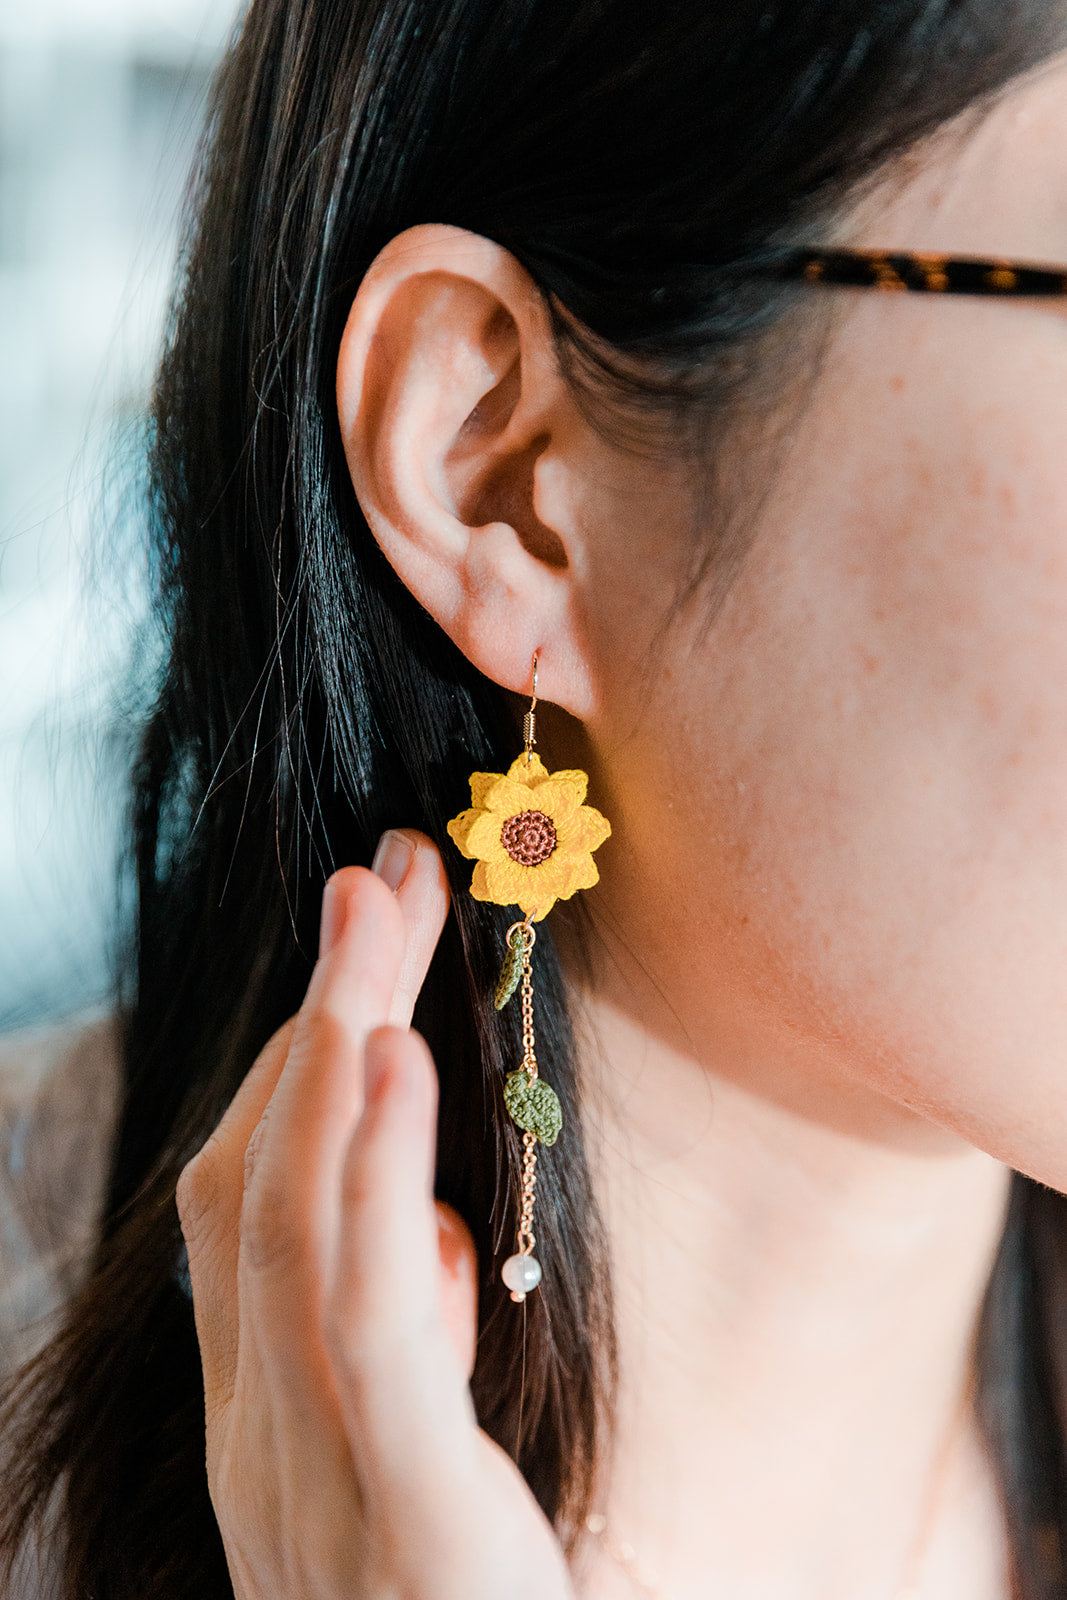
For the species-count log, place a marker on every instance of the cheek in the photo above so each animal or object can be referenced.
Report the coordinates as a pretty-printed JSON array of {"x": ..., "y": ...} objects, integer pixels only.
[{"x": 884, "y": 829}]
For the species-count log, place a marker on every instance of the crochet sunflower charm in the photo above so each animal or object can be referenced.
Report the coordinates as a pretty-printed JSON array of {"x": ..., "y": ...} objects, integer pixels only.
[{"x": 531, "y": 837}]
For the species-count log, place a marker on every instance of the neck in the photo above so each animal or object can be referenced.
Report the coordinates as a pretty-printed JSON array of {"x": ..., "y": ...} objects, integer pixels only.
[{"x": 798, "y": 1269}]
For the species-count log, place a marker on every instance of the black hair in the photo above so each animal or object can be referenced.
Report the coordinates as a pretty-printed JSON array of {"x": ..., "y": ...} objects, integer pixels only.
[{"x": 641, "y": 162}]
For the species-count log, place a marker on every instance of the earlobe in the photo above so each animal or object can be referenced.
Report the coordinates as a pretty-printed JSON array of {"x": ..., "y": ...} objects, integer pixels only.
[{"x": 457, "y": 429}]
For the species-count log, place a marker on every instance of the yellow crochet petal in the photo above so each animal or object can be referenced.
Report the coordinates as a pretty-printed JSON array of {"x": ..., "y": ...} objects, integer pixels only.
[
  {"x": 535, "y": 908},
  {"x": 575, "y": 779},
  {"x": 585, "y": 830},
  {"x": 559, "y": 797},
  {"x": 481, "y": 783},
  {"x": 538, "y": 894},
  {"x": 548, "y": 883},
  {"x": 483, "y": 836},
  {"x": 507, "y": 797},
  {"x": 479, "y": 883},
  {"x": 460, "y": 827},
  {"x": 531, "y": 773},
  {"x": 533, "y": 889},
  {"x": 577, "y": 872},
  {"x": 507, "y": 880}
]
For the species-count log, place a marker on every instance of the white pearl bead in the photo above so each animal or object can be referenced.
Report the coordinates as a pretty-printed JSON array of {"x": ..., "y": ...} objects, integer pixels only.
[{"x": 521, "y": 1273}]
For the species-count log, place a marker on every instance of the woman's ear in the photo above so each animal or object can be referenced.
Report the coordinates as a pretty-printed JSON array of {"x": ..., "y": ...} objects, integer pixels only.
[{"x": 463, "y": 444}]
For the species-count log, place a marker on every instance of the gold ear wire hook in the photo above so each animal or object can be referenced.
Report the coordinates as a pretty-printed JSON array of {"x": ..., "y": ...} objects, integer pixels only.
[{"x": 529, "y": 720}]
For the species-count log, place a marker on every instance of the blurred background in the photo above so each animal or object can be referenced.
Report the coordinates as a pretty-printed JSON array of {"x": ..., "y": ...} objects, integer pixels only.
[{"x": 100, "y": 105}]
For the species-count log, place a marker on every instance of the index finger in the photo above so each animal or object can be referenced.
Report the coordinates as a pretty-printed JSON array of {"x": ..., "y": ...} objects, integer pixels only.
[{"x": 422, "y": 892}]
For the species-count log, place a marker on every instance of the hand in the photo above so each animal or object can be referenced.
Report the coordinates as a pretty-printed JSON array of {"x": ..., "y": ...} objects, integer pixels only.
[{"x": 336, "y": 1303}]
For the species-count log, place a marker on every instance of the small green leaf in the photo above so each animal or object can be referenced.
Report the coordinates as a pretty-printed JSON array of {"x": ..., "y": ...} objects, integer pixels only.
[
  {"x": 533, "y": 1105},
  {"x": 511, "y": 971}
]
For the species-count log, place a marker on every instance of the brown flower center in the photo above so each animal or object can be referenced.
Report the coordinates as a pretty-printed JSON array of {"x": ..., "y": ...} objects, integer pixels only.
[{"x": 529, "y": 838}]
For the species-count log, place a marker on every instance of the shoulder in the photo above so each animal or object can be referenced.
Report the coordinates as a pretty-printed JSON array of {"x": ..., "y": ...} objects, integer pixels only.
[{"x": 58, "y": 1094}]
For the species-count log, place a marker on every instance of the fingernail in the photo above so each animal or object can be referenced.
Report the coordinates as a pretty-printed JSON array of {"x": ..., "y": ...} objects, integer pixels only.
[
  {"x": 330, "y": 919},
  {"x": 392, "y": 858}
]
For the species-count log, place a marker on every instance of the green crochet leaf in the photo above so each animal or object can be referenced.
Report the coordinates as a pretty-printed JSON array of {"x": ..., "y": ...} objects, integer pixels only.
[
  {"x": 511, "y": 971},
  {"x": 533, "y": 1105}
]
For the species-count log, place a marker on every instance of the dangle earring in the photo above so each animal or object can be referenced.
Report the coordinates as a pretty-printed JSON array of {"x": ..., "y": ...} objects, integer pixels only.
[{"x": 533, "y": 841}]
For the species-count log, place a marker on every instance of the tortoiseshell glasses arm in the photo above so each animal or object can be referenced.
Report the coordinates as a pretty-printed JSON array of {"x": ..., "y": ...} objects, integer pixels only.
[{"x": 929, "y": 274}]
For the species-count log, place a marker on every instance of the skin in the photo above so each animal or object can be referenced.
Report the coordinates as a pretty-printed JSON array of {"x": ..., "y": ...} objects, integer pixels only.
[{"x": 827, "y": 1010}]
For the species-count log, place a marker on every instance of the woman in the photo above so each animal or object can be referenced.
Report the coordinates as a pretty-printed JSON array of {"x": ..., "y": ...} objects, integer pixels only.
[{"x": 493, "y": 343}]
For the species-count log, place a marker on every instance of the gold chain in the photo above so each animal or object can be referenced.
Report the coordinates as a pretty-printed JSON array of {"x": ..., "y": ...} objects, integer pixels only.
[
  {"x": 529, "y": 1056},
  {"x": 625, "y": 1556},
  {"x": 529, "y": 1180},
  {"x": 526, "y": 1240}
]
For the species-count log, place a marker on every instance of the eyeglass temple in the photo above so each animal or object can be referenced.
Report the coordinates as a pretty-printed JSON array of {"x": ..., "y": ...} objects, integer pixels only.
[{"x": 925, "y": 273}]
